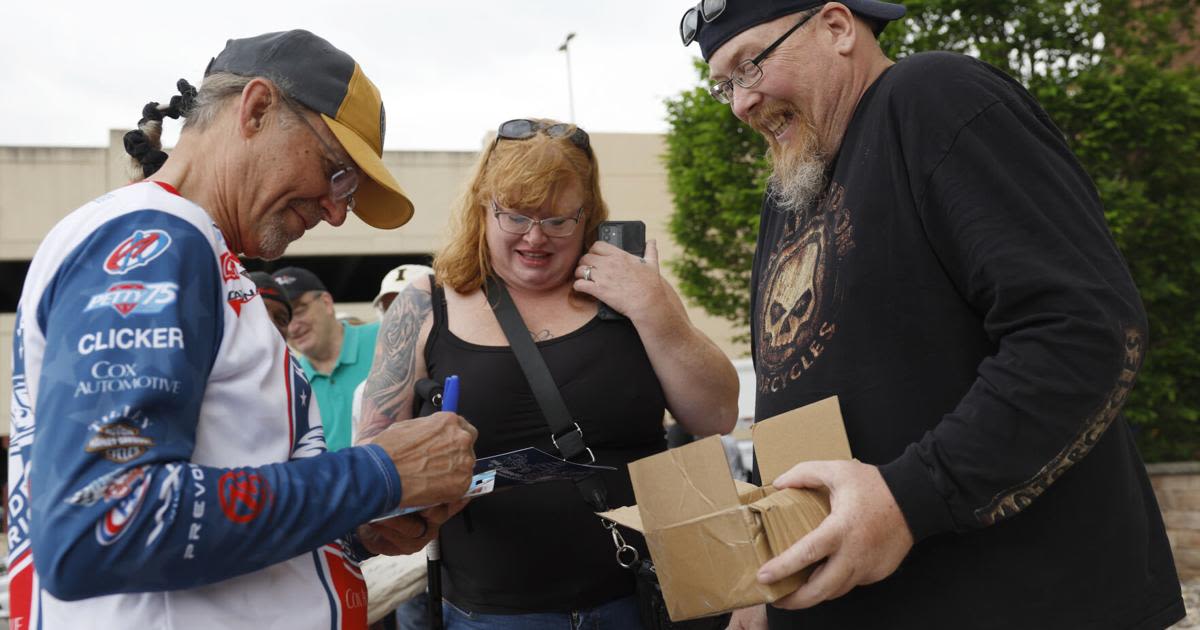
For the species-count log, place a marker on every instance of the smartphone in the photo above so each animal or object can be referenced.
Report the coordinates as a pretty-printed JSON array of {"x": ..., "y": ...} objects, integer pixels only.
[{"x": 629, "y": 236}]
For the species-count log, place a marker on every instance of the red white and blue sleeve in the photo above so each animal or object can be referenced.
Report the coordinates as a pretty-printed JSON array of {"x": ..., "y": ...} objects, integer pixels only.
[{"x": 117, "y": 506}]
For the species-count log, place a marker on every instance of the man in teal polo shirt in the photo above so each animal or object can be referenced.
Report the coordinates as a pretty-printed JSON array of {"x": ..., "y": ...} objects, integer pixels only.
[{"x": 336, "y": 356}]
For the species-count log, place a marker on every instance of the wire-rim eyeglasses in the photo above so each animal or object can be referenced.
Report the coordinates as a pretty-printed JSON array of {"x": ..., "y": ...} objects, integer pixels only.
[
  {"x": 554, "y": 227},
  {"x": 343, "y": 182},
  {"x": 748, "y": 73}
]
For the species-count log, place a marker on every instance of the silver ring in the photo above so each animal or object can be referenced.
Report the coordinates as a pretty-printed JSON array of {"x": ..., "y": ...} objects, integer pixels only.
[{"x": 587, "y": 272}]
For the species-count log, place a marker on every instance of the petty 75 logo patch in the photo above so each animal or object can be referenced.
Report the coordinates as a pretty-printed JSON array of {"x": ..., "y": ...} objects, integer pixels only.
[
  {"x": 243, "y": 495},
  {"x": 136, "y": 251},
  {"x": 135, "y": 298}
]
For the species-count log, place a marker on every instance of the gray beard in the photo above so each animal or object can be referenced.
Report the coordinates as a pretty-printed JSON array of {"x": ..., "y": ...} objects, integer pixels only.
[
  {"x": 796, "y": 183},
  {"x": 272, "y": 239}
]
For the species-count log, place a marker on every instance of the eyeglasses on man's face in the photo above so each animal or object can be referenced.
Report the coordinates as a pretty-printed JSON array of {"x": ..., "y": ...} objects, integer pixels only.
[
  {"x": 523, "y": 129},
  {"x": 707, "y": 10},
  {"x": 302, "y": 305},
  {"x": 515, "y": 223},
  {"x": 748, "y": 73},
  {"x": 343, "y": 182}
]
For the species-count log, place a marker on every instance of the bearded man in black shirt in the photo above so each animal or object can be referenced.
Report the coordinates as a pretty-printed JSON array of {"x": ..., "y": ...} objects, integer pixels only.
[{"x": 932, "y": 253}]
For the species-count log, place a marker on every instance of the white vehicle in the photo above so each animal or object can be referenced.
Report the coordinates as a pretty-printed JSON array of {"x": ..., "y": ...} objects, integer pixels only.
[{"x": 741, "y": 431}]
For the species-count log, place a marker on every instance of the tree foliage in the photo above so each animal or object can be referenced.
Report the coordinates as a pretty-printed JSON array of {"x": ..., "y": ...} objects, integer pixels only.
[
  {"x": 716, "y": 174},
  {"x": 1108, "y": 74}
]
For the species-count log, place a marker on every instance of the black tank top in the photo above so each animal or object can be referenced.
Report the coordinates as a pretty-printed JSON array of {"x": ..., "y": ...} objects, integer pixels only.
[{"x": 539, "y": 548}]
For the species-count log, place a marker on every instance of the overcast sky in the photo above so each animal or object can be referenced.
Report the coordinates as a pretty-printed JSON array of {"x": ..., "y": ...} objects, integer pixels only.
[{"x": 449, "y": 71}]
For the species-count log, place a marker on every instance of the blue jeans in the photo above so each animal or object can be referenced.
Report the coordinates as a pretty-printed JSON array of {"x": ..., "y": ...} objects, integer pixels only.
[
  {"x": 619, "y": 614},
  {"x": 413, "y": 614}
]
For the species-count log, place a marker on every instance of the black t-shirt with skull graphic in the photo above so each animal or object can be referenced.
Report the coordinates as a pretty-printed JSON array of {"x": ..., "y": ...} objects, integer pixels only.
[{"x": 957, "y": 288}]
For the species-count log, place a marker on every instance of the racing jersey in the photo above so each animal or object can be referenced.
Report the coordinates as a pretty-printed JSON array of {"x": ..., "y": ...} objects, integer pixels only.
[{"x": 167, "y": 467}]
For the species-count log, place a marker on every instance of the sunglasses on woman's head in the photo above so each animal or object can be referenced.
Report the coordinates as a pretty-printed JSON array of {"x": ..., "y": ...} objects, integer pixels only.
[{"x": 524, "y": 129}]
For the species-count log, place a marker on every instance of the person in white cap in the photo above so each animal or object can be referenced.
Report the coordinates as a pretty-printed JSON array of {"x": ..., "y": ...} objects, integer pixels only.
[{"x": 394, "y": 282}]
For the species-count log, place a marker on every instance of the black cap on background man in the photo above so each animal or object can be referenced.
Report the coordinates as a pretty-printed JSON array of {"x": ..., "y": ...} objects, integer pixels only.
[{"x": 296, "y": 281}]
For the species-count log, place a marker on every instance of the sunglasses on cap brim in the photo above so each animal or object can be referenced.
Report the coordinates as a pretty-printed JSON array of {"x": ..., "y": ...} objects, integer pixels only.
[{"x": 707, "y": 10}]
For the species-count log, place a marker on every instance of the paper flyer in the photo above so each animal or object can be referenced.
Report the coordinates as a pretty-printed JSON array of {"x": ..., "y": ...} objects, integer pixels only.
[{"x": 522, "y": 467}]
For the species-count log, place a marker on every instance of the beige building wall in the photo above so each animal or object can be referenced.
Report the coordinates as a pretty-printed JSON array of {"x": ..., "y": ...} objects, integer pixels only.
[
  {"x": 634, "y": 183},
  {"x": 6, "y": 334},
  {"x": 39, "y": 186},
  {"x": 433, "y": 180}
]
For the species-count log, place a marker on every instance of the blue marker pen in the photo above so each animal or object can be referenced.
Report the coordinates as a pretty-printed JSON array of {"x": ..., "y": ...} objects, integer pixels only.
[
  {"x": 433, "y": 551},
  {"x": 449, "y": 403},
  {"x": 450, "y": 394}
]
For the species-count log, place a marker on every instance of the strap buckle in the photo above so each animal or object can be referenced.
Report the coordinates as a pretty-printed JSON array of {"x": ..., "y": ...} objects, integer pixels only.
[{"x": 573, "y": 445}]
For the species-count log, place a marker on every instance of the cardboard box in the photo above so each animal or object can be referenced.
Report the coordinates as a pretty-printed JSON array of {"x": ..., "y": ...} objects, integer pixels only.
[{"x": 708, "y": 535}]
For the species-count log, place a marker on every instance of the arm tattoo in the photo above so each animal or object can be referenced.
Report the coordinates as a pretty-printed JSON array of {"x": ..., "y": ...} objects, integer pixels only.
[{"x": 389, "y": 389}]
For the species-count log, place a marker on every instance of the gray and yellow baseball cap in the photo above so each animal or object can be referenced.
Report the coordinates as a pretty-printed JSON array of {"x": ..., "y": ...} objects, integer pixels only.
[{"x": 328, "y": 81}]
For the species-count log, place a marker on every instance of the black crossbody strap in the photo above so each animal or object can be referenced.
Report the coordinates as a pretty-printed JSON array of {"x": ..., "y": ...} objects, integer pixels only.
[{"x": 564, "y": 432}]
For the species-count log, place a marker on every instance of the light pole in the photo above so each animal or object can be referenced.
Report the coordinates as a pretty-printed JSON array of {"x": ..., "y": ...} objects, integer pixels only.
[{"x": 566, "y": 48}]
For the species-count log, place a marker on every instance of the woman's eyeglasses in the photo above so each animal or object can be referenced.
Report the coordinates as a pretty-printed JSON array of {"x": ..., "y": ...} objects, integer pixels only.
[
  {"x": 523, "y": 129},
  {"x": 555, "y": 227}
]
